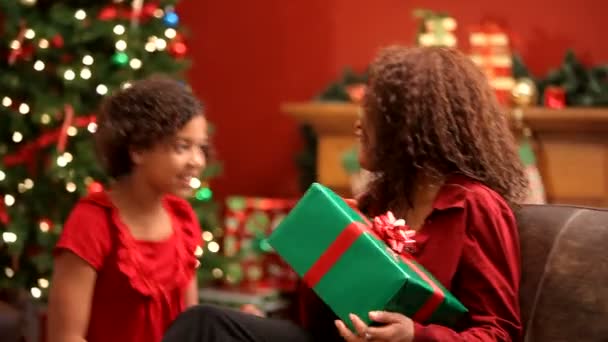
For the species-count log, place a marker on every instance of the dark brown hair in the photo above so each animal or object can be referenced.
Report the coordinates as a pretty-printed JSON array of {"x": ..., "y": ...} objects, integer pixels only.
[
  {"x": 139, "y": 117},
  {"x": 432, "y": 110}
]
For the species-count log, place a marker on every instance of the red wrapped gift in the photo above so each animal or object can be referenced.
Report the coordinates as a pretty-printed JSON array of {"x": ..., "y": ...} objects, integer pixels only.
[
  {"x": 491, "y": 52},
  {"x": 248, "y": 221},
  {"x": 555, "y": 97}
]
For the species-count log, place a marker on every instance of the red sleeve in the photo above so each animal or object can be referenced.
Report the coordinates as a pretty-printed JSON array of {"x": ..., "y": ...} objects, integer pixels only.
[
  {"x": 488, "y": 276},
  {"x": 86, "y": 234}
]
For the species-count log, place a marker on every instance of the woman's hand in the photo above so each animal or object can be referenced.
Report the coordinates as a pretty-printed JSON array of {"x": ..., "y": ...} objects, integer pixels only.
[
  {"x": 396, "y": 328},
  {"x": 252, "y": 310}
]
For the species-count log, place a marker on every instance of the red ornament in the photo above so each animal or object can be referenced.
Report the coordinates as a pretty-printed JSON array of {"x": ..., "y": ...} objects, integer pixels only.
[
  {"x": 178, "y": 49},
  {"x": 555, "y": 97},
  {"x": 95, "y": 187},
  {"x": 4, "y": 219},
  {"x": 149, "y": 9},
  {"x": 108, "y": 13},
  {"x": 57, "y": 41}
]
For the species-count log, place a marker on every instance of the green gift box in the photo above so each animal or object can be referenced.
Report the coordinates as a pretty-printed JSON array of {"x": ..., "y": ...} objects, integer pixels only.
[{"x": 334, "y": 251}]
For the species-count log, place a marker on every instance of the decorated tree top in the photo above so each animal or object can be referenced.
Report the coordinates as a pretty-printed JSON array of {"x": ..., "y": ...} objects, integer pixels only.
[{"x": 57, "y": 60}]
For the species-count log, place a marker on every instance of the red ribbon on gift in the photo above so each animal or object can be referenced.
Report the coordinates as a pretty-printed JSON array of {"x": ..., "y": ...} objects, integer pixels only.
[{"x": 344, "y": 241}]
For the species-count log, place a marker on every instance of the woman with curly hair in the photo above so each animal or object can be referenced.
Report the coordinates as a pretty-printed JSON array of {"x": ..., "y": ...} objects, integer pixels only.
[
  {"x": 125, "y": 263},
  {"x": 443, "y": 158}
]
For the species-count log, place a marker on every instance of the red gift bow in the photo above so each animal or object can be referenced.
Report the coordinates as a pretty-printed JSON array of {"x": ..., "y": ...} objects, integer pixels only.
[{"x": 397, "y": 235}]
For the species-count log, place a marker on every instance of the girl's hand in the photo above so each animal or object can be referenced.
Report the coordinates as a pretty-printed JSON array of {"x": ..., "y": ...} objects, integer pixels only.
[{"x": 396, "y": 328}]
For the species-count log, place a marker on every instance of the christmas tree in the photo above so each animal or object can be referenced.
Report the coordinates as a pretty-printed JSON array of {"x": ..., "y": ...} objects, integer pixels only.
[{"x": 57, "y": 60}]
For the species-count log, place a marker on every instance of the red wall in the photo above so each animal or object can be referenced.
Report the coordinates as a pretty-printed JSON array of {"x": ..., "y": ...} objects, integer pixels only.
[{"x": 250, "y": 56}]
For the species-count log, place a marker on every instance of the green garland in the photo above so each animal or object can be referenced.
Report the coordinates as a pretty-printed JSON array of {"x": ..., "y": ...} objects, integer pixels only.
[{"x": 583, "y": 86}]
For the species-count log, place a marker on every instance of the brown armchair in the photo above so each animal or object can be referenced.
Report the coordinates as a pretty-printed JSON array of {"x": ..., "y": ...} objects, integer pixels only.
[{"x": 564, "y": 290}]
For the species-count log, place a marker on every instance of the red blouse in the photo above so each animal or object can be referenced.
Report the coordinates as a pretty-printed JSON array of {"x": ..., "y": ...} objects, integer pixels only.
[
  {"x": 140, "y": 285},
  {"x": 470, "y": 243}
]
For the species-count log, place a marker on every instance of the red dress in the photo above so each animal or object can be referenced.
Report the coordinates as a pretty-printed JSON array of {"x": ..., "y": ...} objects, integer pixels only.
[
  {"x": 470, "y": 243},
  {"x": 140, "y": 285}
]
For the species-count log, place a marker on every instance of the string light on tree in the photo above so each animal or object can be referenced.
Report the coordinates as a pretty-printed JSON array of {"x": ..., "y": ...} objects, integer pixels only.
[
  {"x": 72, "y": 131},
  {"x": 85, "y": 73},
  {"x": 43, "y": 283},
  {"x": 161, "y": 44},
  {"x": 15, "y": 45},
  {"x": 9, "y": 237},
  {"x": 24, "y": 108},
  {"x": 207, "y": 236},
  {"x": 87, "y": 60},
  {"x": 119, "y": 30},
  {"x": 39, "y": 65},
  {"x": 36, "y": 292},
  {"x": 171, "y": 19},
  {"x": 126, "y": 85},
  {"x": 198, "y": 252},
  {"x": 43, "y": 44},
  {"x": 213, "y": 247},
  {"x": 2, "y": 175},
  {"x": 92, "y": 127},
  {"x": 178, "y": 49},
  {"x": 70, "y": 187},
  {"x": 120, "y": 58},
  {"x": 217, "y": 273},
  {"x": 121, "y": 45},
  {"x": 45, "y": 119},
  {"x": 151, "y": 44},
  {"x": 9, "y": 200},
  {"x": 101, "y": 89},
  {"x": 17, "y": 137},
  {"x": 195, "y": 183},
  {"x": 69, "y": 75},
  {"x": 204, "y": 194},
  {"x": 30, "y": 34},
  {"x": 7, "y": 102},
  {"x": 170, "y": 33},
  {"x": 28, "y": 2},
  {"x": 28, "y": 183},
  {"x": 44, "y": 226},
  {"x": 9, "y": 272},
  {"x": 135, "y": 63},
  {"x": 80, "y": 14}
]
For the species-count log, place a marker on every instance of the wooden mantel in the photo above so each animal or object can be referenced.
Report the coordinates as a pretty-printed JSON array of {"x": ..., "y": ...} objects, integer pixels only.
[{"x": 571, "y": 146}]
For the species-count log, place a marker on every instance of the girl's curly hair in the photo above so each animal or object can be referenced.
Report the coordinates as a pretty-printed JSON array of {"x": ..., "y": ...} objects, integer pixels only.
[{"x": 431, "y": 109}]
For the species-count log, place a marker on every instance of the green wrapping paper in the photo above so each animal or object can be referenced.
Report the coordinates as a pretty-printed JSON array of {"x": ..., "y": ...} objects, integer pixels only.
[{"x": 334, "y": 251}]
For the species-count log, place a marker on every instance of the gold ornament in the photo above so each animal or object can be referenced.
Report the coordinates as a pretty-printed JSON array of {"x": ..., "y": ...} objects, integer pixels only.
[{"x": 524, "y": 93}]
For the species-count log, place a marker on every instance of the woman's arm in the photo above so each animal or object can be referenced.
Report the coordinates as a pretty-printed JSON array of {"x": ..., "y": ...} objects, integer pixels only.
[
  {"x": 70, "y": 298},
  {"x": 192, "y": 293}
]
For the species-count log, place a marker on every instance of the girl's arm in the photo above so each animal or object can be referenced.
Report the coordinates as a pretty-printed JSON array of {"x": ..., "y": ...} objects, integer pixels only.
[
  {"x": 70, "y": 298},
  {"x": 192, "y": 293}
]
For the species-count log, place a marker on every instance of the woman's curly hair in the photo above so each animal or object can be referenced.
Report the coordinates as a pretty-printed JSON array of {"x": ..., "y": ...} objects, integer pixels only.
[
  {"x": 139, "y": 117},
  {"x": 431, "y": 109}
]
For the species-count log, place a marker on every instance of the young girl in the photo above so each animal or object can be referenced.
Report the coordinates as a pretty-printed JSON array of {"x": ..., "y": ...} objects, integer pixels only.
[
  {"x": 125, "y": 262},
  {"x": 444, "y": 160}
]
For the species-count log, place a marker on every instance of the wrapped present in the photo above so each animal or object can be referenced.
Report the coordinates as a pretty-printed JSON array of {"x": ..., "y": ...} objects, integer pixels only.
[
  {"x": 248, "y": 221},
  {"x": 340, "y": 256},
  {"x": 436, "y": 29},
  {"x": 270, "y": 301},
  {"x": 490, "y": 50}
]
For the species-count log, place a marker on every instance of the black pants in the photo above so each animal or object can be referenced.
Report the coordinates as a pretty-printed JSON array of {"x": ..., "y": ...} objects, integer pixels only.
[{"x": 208, "y": 323}]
